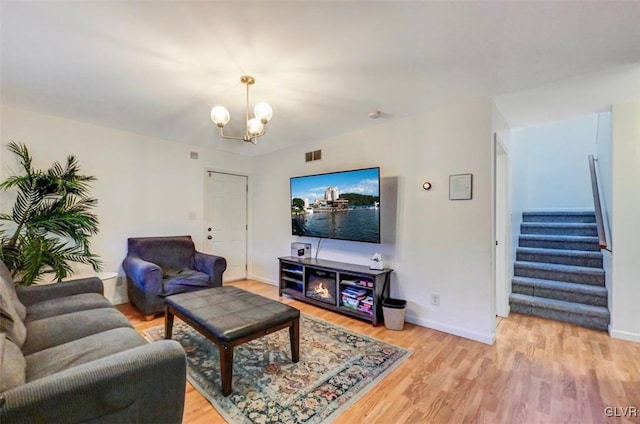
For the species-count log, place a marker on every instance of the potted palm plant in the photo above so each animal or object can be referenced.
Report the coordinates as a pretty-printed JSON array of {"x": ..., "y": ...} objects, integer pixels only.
[{"x": 51, "y": 222}]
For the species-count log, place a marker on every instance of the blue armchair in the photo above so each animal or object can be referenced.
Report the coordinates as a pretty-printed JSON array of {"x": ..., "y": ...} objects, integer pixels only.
[{"x": 160, "y": 266}]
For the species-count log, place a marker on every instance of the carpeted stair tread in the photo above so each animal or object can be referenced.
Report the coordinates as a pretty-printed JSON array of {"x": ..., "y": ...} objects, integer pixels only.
[
  {"x": 558, "y": 272},
  {"x": 585, "y": 315},
  {"x": 561, "y": 242},
  {"x": 590, "y": 310},
  {"x": 558, "y": 216},
  {"x": 560, "y": 256},
  {"x": 559, "y": 228},
  {"x": 570, "y": 292}
]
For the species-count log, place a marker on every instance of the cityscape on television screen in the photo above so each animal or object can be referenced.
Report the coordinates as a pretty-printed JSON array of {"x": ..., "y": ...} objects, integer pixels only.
[{"x": 341, "y": 205}]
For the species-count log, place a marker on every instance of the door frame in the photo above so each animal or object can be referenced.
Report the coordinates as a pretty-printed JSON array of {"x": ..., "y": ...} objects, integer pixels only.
[
  {"x": 501, "y": 227},
  {"x": 206, "y": 173}
]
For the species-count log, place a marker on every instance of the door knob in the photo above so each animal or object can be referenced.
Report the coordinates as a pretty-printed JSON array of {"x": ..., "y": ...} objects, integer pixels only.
[{"x": 209, "y": 237}]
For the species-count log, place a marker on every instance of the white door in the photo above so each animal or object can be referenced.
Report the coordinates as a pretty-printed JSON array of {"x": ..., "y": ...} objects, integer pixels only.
[
  {"x": 501, "y": 236},
  {"x": 225, "y": 221}
]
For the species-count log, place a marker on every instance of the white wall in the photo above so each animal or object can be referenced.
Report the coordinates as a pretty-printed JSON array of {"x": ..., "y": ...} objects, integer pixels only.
[
  {"x": 625, "y": 319},
  {"x": 575, "y": 96},
  {"x": 146, "y": 186},
  {"x": 433, "y": 244},
  {"x": 556, "y": 165},
  {"x": 604, "y": 152}
]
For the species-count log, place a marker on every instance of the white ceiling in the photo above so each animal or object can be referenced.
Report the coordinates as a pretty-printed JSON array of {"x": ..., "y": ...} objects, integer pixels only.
[{"x": 157, "y": 68}]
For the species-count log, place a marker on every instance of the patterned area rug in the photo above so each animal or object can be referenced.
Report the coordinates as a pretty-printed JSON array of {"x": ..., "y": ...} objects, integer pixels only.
[{"x": 336, "y": 368}]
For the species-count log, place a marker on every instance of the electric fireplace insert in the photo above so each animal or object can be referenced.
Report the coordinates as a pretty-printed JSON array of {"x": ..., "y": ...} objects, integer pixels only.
[{"x": 321, "y": 285}]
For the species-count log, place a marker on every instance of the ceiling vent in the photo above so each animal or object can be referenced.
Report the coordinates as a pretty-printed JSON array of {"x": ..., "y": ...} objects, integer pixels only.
[{"x": 311, "y": 156}]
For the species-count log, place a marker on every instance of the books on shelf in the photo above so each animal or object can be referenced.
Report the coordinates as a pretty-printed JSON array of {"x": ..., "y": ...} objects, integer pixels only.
[
  {"x": 349, "y": 302},
  {"x": 357, "y": 300},
  {"x": 353, "y": 292},
  {"x": 368, "y": 301},
  {"x": 357, "y": 282},
  {"x": 366, "y": 305}
]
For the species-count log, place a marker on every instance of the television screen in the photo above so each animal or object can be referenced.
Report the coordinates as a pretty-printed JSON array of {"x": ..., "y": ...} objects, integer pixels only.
[{"x": 339, "y": 205}]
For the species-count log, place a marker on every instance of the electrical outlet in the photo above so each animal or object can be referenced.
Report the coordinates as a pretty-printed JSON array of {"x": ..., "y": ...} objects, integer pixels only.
[{"x": 435, "y": 299}]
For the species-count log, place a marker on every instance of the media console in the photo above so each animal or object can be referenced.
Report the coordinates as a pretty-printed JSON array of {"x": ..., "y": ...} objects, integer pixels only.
[{"x": 353, "y": 290}]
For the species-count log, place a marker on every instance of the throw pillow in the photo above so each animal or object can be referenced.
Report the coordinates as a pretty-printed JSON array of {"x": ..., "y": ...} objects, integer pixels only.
[
  {"x": 13, "y": 366},
  {"x": 8, "y": 290},
  {"x": 11, "y": 324}
]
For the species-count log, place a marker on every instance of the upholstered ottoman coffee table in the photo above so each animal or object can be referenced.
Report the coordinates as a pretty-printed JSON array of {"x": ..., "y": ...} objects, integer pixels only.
[{"x": 229, "y": 316}]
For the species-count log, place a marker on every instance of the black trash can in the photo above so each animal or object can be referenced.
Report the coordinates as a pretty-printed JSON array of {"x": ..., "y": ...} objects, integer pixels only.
[{"x": 394, "y": 311}]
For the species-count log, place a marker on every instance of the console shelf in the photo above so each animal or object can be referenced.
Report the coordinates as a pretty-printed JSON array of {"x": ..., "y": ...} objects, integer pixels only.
[{"x": 353, "y": 290}]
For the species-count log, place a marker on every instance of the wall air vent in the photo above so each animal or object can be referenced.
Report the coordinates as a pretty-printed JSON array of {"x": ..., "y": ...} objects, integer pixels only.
[{"x": 311, "y": 156}]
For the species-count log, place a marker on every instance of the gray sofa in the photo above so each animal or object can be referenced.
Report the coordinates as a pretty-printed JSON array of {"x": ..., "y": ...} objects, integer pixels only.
[{"x": 68, "y": 356}]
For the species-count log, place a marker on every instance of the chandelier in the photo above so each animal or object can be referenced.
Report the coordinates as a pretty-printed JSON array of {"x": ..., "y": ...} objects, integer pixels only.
[{"x": 254, "y": 127}]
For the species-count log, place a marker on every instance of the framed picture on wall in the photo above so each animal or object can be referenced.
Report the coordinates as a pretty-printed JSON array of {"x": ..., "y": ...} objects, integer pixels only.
[{"x": 460, "y": 187}]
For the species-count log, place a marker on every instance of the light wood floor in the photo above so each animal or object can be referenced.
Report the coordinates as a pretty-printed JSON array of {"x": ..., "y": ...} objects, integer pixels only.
[{"x": 538, "y": 371}]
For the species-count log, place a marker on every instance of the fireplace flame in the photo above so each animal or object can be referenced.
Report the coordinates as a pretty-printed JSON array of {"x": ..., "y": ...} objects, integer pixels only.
[{"x": 321, "y": 290}]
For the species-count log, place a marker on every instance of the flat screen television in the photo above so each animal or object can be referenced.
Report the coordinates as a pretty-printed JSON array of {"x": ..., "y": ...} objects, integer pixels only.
[{"x": 338, "y": 205}]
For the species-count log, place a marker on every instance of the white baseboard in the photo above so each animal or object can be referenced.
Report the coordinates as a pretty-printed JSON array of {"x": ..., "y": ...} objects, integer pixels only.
[
  {"x": 478, "y": 337},
  {"x": 263, "y": 279},
  {"x": 507, "y": 312},
  {"x": 456, "y": 331},
  {"x": 624, "y": 335}
]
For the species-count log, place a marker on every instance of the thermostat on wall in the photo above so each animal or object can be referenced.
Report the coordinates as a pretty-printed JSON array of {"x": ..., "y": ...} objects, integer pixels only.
[{"x": 301, "y": 250}]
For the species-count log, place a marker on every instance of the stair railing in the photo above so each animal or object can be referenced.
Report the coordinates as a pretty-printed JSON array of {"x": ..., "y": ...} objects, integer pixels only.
[{"x": 602, "y": 237}]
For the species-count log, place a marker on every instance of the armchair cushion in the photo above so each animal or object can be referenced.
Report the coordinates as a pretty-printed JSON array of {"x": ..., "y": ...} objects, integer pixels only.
[{"x": 184, "y": 281}]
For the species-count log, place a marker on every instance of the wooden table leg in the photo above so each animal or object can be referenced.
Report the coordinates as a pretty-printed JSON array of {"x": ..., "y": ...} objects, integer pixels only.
[
  {"x": 168, "y": 323},
  {"x": 294, "y": 338},
  {"x": 226, "y": 368}
]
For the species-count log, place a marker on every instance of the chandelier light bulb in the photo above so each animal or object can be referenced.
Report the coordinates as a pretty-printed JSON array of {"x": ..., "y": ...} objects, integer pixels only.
[
  {"x": 255, "y": 126},
  {"x": 263, "y": 112},
  {"x": 220, "y": 116}
]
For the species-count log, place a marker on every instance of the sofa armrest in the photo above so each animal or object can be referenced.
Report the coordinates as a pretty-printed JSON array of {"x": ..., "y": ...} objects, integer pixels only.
[
  {"x": 145, "y": 385},
  {"x": 212, "y": 265},
  {"x": 29, "y": 295},
  {"x": 143, "y": 274}
]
